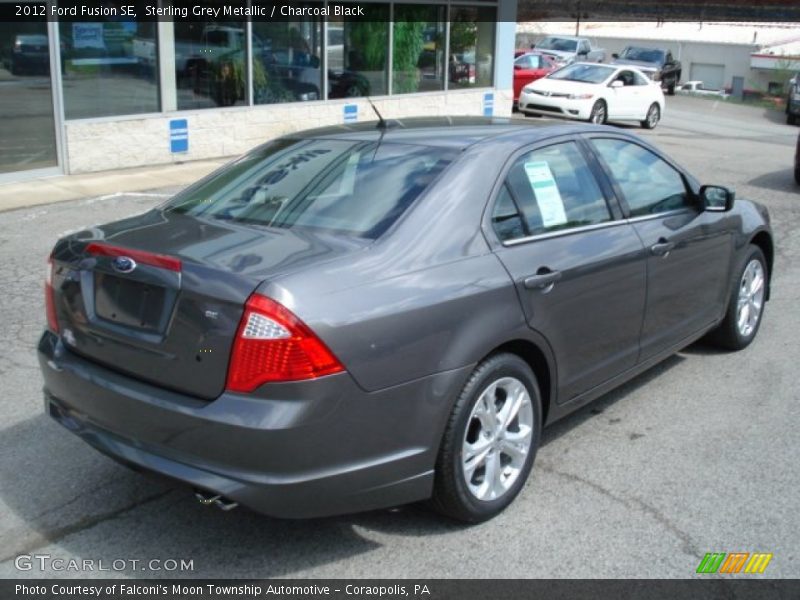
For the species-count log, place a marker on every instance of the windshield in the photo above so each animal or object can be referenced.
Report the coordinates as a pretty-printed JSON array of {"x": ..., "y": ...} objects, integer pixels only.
[
  {"x": 643, "y": 54},
  {"x": 357, "y": 188},
  {"x": 583, "y": 73},
  {"x": 559, "y": 44}
]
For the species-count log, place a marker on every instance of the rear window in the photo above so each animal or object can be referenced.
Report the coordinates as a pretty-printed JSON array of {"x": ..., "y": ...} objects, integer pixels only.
[{"x": 356, "y": 188}]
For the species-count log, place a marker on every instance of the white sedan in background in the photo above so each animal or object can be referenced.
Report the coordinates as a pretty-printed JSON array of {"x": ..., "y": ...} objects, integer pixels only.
[{"x": 596, "y": 93}]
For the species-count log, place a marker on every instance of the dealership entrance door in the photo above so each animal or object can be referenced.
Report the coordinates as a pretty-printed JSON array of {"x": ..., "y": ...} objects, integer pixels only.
[{"x": 27, "y": 122}]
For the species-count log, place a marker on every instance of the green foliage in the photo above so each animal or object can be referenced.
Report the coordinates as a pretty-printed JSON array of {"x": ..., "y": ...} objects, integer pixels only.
[
  {"x": 408, "y": 45},
  {"x": 368, "y": 39}
]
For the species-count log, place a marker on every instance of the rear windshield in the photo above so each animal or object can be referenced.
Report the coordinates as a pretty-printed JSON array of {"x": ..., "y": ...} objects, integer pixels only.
[{"x": 356, "y": 188}]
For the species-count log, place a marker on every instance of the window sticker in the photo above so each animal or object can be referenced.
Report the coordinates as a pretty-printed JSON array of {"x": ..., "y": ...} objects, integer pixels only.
[{"x": 545, "y": 190}]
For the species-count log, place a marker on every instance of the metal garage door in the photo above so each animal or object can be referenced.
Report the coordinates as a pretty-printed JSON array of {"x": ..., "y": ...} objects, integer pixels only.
[{"x": 712, "y": 76}]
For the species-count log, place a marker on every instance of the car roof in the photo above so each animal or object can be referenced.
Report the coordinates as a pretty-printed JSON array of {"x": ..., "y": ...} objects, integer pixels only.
[{"x": 448, "y": 132}]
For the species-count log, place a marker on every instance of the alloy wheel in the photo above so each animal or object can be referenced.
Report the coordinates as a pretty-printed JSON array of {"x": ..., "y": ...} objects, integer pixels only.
[
  {"x": 497, "y": 439},
  {"x": 751, "y": 298}
]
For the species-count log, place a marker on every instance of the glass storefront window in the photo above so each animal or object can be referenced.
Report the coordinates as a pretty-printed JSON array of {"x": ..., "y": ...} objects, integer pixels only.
[
  {"x": 287, "y": 64},
  {"x": 358, "y": 54},
  {"x": 109, "y": 67},
  {"x": 471, "y": 62},
  {"x": 418, "y": 52},
  {"x": 27, "y": 124},
  {"x": 210, "y": 64}
]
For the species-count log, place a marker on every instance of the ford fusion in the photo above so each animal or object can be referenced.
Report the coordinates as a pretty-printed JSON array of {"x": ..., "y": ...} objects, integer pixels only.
[
  {"x": 366, "y": 316},
  {"x": 596, "y": 93}
]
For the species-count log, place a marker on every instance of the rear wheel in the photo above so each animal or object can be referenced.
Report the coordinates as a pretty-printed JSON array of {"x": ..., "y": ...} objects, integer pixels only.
[
  {"x": 745, "y": 305},
  {"x": 599, "y": 114},
  {"x": 490, "y": 441},
  {"x": 791, "y": 119},
  {"x": 653, "y": 117},
  {"x": 671, "y": 89},
  {"x": 797, "y": 175}
]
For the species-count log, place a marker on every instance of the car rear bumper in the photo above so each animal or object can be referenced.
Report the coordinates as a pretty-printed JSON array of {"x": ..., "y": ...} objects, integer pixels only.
[{"x": 305, "y": 449}]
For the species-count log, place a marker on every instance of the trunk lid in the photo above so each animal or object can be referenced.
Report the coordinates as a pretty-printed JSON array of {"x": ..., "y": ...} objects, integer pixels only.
[{"x": 159, "y": 296}]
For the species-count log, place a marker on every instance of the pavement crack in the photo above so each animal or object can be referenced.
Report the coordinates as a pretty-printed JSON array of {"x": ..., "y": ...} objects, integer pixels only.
[
  {"x": 57, "y": 534},
  {"x": 688, "y": 546}
]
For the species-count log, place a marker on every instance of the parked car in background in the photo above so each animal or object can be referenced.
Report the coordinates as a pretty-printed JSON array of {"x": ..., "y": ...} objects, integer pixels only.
[
  {"x": 267, "y": 338},
  {"x": 793, "y": 101},
  {"x": 596, "y": 93},
  {"x": 30, "y": 55},
  {"x": 657, "y": 63},
  {"x": 567, "y": 49},
  {"x": 696, "y": 88},
  {"x": 528, "y": 68}
]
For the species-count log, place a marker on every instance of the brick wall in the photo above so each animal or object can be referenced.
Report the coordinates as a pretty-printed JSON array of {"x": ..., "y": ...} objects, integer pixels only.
[{"x": 103, "y": 144}]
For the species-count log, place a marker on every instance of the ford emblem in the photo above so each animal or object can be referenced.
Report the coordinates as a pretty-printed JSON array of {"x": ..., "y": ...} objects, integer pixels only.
[{"x": 123, "y": 264}]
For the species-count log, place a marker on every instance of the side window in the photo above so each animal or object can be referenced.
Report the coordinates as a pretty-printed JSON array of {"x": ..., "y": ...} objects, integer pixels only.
[
  {"x": 506, "y": 219},
  {"x": 555, "y": 189},
  {"x": 534, "y": 61},
  {"x": 649, "y": 184},
  {"x": 584, "y": 49},
  {"x": 639, "y": 79}
]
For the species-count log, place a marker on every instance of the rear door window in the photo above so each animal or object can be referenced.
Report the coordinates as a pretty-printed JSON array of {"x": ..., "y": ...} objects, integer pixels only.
[{"x": 555, "y": 189}]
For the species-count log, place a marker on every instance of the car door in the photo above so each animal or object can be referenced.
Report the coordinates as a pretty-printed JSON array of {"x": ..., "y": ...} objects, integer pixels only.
[
  {"x": 621, "y": 98},
  {"x": 690, "y": 250},
  {"x": 578, "y": 267}
]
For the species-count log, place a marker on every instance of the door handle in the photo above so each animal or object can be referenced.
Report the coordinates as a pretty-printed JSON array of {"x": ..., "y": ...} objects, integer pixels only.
[
  {"x": 543, "y": 281},
  {"x": 662, "y": 247}
]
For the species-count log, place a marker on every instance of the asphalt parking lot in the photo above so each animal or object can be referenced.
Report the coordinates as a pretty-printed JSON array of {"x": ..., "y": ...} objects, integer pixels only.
[{"x": 699, "y": 454}]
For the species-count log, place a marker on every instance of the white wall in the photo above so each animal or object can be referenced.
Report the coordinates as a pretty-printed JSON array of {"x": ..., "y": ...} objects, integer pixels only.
[{"x": 103, "y": 144}]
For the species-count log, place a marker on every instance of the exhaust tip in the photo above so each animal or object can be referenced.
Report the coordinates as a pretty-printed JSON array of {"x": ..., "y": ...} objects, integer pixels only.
[{"x": 221, "y": 502}]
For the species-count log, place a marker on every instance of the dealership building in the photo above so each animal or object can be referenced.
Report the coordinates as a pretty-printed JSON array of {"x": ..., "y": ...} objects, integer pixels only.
[{"x": 81, "y": 96}]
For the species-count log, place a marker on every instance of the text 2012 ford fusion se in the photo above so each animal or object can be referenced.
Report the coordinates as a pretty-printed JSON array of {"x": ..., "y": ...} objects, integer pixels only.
[{"x": 361, "y": 317}]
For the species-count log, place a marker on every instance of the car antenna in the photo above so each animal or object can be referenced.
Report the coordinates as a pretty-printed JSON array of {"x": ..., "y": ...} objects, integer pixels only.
[{"x": 381, "y": 121}]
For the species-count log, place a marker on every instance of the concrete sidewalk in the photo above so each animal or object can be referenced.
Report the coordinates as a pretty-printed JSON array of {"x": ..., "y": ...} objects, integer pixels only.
[{"x": 71, "y": 187}]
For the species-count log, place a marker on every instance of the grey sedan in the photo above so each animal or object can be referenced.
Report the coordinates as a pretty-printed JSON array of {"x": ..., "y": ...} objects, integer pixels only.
[{"x": 365, "y": 316}]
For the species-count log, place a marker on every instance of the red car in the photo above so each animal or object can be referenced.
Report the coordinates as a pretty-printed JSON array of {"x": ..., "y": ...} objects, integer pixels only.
[{"x": 530, "y": 67}]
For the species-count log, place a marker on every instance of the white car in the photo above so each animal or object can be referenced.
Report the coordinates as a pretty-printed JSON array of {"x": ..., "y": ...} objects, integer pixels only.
[{"x": 596, "y": 93}]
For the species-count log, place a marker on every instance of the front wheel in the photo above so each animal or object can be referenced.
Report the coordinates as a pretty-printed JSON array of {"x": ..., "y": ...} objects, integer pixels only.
[
  {"x": 745, "y": 305},
  {"x": 599, "y": 113},
  {"x": 490, "y": 441},
  {"x": 652, "y": 118}
]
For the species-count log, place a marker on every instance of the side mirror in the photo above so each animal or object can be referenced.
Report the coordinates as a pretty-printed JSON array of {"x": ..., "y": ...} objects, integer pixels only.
[
  {"x": 717, "y": 198},
  {"x": 616, "y": 84},
  {"x": 615, "y": 55}
]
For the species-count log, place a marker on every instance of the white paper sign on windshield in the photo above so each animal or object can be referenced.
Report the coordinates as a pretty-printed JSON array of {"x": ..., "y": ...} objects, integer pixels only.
[{"x": 551, "y": 206}]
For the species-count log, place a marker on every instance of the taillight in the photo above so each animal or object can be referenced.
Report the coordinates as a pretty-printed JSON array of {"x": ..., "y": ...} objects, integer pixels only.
[
  {"x": 49, "y": 298},
  {"x": 272, "y": 344}
]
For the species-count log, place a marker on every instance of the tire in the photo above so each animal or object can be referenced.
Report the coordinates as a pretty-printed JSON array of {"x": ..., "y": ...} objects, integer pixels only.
[
  {"x": 652, "y": 118},
  {"x": 599, "y": 113},
  {"x": 797, "y": 175},
  {"x": 482, "y": 496},
  {"x": 791, "y": 119},
  {"x": 671, "y": 89},
  {"x": 730, "y": 335}
]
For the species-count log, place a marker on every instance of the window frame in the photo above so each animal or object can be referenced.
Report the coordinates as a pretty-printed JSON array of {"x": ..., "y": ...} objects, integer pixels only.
[
  {"x": 689, "y": 183},
  {"x": 601, "y": 178}
]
